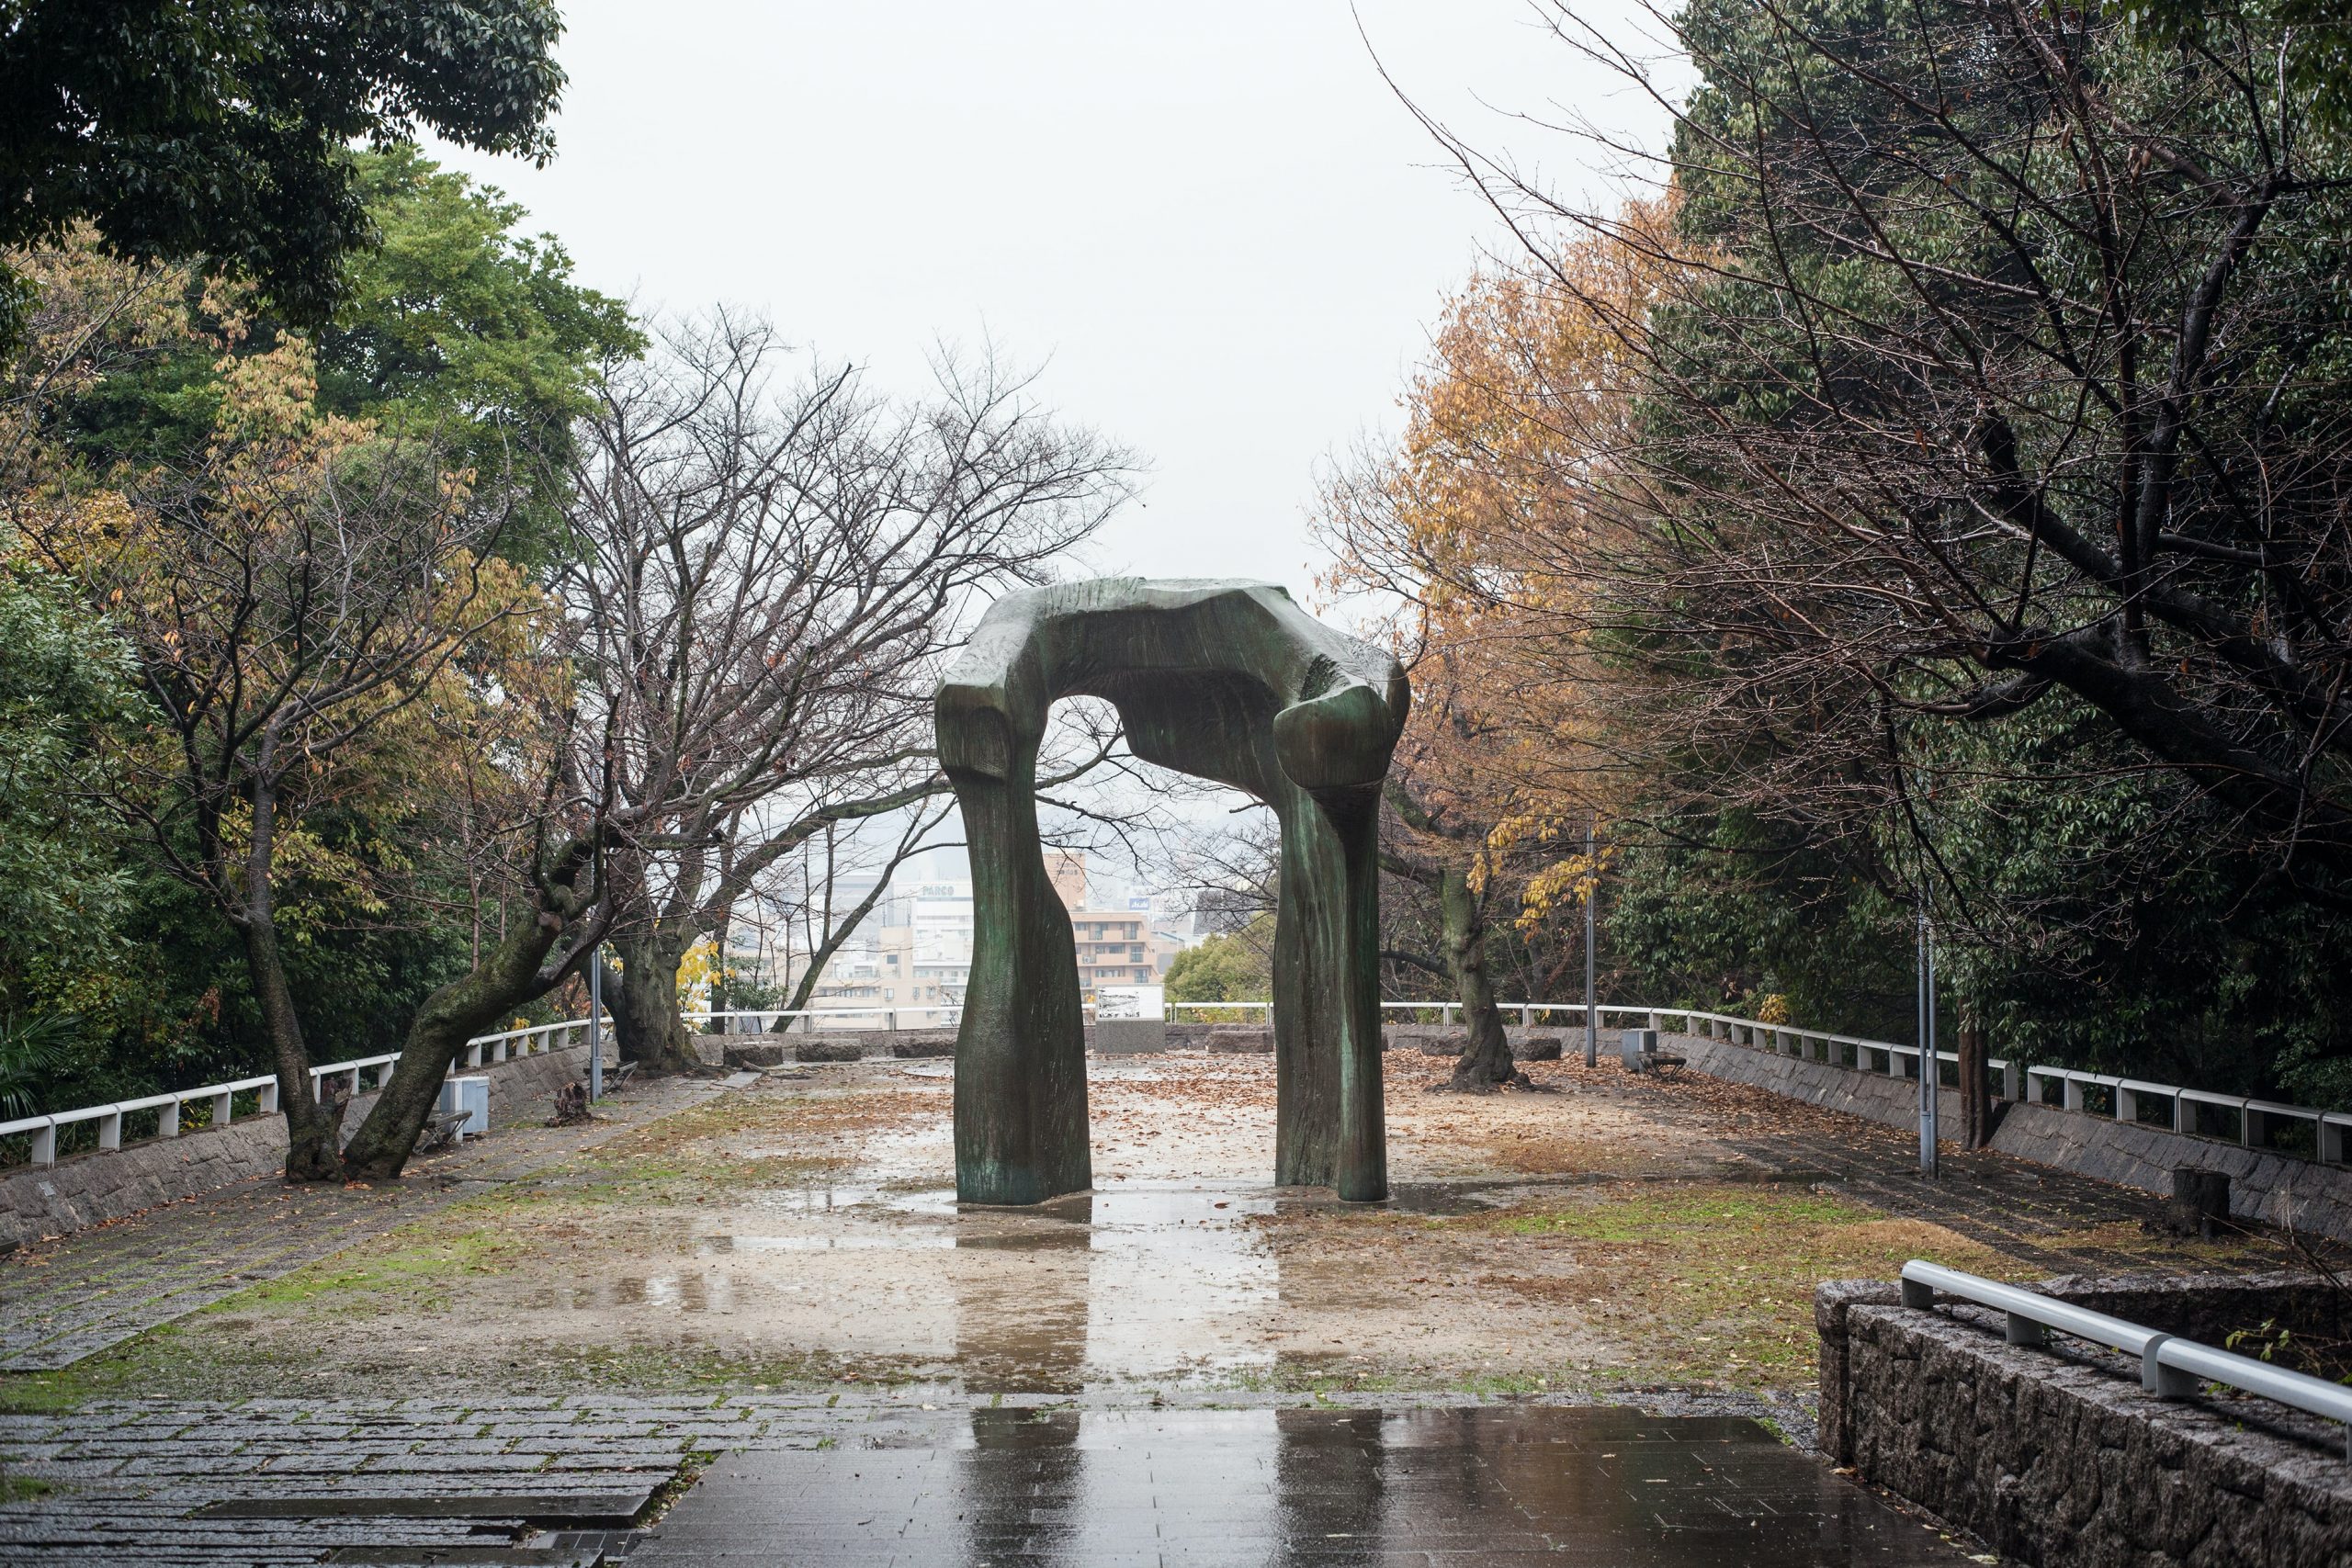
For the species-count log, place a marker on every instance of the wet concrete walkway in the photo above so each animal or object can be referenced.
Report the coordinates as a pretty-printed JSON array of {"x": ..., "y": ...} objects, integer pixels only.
[
  {"x": 823, "y": 1481},
  {"x": 1325, "y": 1488}
]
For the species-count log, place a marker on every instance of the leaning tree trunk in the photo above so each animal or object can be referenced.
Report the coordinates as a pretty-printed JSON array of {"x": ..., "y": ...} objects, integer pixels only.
[
  {"x": 645, "y": 1025},
  {"x": 507, "y": 977},
  {"x": 310, "y": 1128},
  {"x": 1485, "y": 1058}
]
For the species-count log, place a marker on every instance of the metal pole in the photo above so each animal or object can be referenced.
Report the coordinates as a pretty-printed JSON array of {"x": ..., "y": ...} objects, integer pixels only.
[
  {"x": 1591, "y": 925},
  {"x": 1931, "y": 1069},
  {"x": 596, "y": 1022}
]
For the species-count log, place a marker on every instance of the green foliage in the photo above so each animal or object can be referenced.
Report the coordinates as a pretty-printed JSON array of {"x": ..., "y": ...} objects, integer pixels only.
[
  {"x": 2316, "y": 36},
  {"x": 218, "y": 130},
  {"x": 1221, "y": 969},
  {"x": 1727, "y": 911},
  {"x": 456, "y": 323},
  {"x": 32, "y": 1051},
  {"x": 458, "y": 329},
  {"x": 64, "y": 685}
]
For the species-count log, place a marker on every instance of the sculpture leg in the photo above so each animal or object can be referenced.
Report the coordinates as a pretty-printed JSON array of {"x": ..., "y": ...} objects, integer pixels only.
[
  {"x": 1362, "y": 1174},
  {"x": 1331, "y": 1127},
  {"x": 1307, "y": 1063},
  {"x": 1020, "y": 1134}
]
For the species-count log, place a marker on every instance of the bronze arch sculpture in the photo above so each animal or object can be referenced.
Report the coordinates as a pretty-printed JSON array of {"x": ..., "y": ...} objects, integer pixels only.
[{"x": 1224, "y": 680}]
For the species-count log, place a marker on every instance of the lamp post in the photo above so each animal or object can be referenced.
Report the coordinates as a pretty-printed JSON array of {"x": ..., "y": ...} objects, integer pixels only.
[
  {"x": 596, "y": 1022},
  {"x": 1592, "y": 926},
  {"x": 1930, "y": 1068}
]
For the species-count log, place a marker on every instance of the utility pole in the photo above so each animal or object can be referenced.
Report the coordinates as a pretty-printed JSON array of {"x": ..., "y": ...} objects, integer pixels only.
[
  {"x": 1592, "y": 926},
  {"x": 596, "y": 1022},
  {"x": 1930, "y": 1068}
]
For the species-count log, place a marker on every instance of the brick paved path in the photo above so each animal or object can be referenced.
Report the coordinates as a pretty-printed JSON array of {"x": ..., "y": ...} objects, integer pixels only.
[
  {"x": 230, "y": 1484},
  {"x": 66, "y": 1300}
]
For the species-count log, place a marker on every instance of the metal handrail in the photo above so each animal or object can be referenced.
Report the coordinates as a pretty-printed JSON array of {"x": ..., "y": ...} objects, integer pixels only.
[
  {"x": 2170, "y": 1367},
  {"x": 2333, "y": 1128}
]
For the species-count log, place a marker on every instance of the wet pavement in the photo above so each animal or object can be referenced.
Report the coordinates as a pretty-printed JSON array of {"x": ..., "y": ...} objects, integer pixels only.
[
  {"x": 1325, "y": 1488},
  {"x": 770, "y": 1308},
  {"x": 821, "y": 1480}
]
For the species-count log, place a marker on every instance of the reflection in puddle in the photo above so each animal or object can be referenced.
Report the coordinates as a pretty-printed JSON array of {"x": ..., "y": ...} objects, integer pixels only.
[
  {"x": 882, "y": 1242},
  {"x": 673, "y": 1293},
  {"x": 1335, "y": 1488}
]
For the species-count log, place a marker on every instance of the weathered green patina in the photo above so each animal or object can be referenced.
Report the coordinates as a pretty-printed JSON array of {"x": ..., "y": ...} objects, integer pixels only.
[{"x": 1222, "y": 679}]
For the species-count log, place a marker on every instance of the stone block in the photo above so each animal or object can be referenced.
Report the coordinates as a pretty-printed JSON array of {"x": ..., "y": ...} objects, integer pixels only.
[
  {"x": 1242, "y": 1039},
  {"x": 828, "y": 1051},
  {"x": 1537, "y": 1048},
  {"x": 1129, "y": 1037},
  {"x": 738, "y": 1058},
  {"x": 914, "y": 1045}
]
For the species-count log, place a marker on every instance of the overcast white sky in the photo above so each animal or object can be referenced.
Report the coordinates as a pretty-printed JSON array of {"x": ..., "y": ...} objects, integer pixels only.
[{"x": 1212, "y": 224}]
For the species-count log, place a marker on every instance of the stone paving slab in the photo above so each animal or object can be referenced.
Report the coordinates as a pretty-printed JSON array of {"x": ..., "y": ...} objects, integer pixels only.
[{"x": 66, "y": 1300}]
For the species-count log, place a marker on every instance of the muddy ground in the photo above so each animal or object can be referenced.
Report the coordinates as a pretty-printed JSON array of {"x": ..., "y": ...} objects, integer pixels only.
[{"x": 1605, "y": 1232}]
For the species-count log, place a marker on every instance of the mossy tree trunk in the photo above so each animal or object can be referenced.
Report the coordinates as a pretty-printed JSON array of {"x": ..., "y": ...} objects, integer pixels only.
[
  {"x": 646, "y": 1021},
  {"x": 530, "y": 962},
  {"x": 1485, "y": 1059}
]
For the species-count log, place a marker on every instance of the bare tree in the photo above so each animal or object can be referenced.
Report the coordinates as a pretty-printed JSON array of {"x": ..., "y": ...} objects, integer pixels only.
[{"x": 768, "y": 579}]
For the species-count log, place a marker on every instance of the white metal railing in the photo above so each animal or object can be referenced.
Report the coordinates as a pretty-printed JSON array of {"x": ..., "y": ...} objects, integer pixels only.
[
  {"x": 2251, "y": 1123},
  {"x": 2170, "y": 1367},
  {"x": 2186, "y": 1110},
  {"x": 2229, "y": 1118},
  {"x": 41, "y": 1132}
]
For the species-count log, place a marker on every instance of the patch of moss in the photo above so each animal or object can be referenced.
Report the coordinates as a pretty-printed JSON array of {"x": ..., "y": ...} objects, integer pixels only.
[
  {"x": 411, "y": 1269},
  {"x": 1651, "y": 1212},
  {"x": 152, "y": 1364},
  {"x": 14, "y": 1488}
]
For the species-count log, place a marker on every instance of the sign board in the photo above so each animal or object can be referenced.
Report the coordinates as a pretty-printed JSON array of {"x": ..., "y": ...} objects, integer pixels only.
[{"x": 1130, "y": 1001}]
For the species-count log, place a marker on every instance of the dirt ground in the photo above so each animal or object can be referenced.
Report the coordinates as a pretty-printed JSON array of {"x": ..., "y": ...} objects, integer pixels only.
[{"x": 1606, "y": 1231}]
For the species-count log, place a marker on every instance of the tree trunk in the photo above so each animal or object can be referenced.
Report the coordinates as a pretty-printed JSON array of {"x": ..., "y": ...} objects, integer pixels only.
[
  {"x": 646, "y": 1024},
  {"x": 1486, "y": 1060},
  {"x": 1976, "y": 1088},
  {"x": 835, "y": 936},
  {"x": 718, "y": 1024},
  {"x": 311, "y": 1152},
  {"x": 507, "y": 978}
]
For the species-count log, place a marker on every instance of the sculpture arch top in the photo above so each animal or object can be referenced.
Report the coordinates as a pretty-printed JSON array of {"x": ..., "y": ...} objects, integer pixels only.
[{"x": 1228, "y": 680}]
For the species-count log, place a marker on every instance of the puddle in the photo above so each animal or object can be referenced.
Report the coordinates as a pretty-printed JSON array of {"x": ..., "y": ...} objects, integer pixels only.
[
  {"x": 1346, "y": 1488},
  {"x": 883, "y": 1242}
]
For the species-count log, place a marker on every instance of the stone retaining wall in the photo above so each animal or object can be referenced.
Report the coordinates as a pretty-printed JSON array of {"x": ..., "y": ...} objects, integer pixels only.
[
  {"x": 89, "y": 1189},
  {"x": 2272, "y": 1188},
  {"x": 2060, "y": 1460}
]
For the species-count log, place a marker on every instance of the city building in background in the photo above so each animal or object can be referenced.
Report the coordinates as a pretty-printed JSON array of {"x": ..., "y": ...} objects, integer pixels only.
[{"x": 914, "y": 952}]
